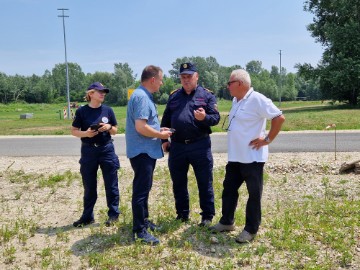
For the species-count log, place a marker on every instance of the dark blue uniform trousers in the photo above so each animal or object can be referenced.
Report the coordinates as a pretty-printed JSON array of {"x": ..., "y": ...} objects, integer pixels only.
[
  {"x": 198, "y": 155},
  {"x": 105, "y": 157},
  {"x": 236, "y": 174},
  {"x": 143, "y": 166}
]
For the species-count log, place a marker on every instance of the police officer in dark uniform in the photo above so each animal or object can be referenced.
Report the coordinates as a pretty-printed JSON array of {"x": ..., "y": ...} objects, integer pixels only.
[
  {"x": 94, "y": 123},
  {"x": 191, "y": 111}
]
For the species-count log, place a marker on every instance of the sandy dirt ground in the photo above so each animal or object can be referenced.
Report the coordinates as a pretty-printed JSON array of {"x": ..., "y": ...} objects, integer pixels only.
[{"x": 51, "y": 211}]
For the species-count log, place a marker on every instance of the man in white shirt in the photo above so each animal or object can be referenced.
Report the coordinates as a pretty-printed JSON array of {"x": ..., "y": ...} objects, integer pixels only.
[{"x": 247, "y": 152}]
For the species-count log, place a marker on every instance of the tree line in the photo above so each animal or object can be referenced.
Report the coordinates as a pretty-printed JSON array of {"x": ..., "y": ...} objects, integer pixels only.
[
  {"x": 336, "y": 26},
  {"x": 51, "y": 87}
]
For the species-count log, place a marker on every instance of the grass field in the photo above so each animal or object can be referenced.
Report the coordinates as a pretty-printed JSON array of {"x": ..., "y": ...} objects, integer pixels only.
[
  {"x": 310, "y": 220},
  {"x": 300, "y": 115},
  {"x": 310, "y": 211}
]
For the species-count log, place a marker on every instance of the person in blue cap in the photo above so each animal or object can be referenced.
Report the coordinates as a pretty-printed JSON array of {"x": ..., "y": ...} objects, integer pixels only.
[
  {"x": 94, "y": 123},
  {"x": 143, "y": 147},
  {"x": 191, "y": 110}
]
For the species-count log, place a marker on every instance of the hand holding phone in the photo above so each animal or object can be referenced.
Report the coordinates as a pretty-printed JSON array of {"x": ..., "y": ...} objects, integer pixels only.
[{"x": 94, "y": 127}]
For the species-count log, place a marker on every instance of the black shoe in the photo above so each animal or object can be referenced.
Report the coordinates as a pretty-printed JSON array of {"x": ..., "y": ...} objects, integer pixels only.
[
  {"x": 111, "y": 221},
  {"x": 82, "y": 223},
  {"x": 146, "y": 238},
  {"x": 152, "y": 226},
  {"x": 205, "y": 223},
  {"x": 183, "y": 219}
]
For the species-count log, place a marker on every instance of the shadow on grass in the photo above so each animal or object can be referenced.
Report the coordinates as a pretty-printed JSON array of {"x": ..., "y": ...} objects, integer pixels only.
[
  {"x": 204, "y": 242},
  {"x": 51, "y": 231},
  {"x": 100, "y": 242}
]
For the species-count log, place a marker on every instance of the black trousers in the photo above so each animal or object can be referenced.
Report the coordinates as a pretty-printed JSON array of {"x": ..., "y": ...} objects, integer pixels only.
[
  {"x": 199, "y": 156},
  {"x": 143, "y": 166},
  {"x": 105, "y": 157},
  {"x": 237, "y": 173}
]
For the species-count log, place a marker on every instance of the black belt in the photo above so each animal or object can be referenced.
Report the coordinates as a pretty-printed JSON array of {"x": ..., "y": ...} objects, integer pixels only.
[
  {"x": 189, "y": 141},
  {"x": 97, "y": 144}
]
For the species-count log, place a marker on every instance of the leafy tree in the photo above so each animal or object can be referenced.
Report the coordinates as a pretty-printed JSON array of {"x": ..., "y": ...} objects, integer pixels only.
[
  {"x": 33, "y": 93},
  {"x": 123, "y": 80},
  {"x": 4, "y": 89},
  {"x": 289, "y": 91},
  {"x": 211, "y": 81},
  {"x": 337, "y": 27},
  {"x": 51, "y": 87},
  {"x": 224, "y": 75},
  {"x": 18, "y": 87},
  {"x": 163, "y": 98},
  {"x": 169, "y": 85},
  {"x": 106, "y": 78},
  {"x": 76, "y": 79},
  {"x": 254, "y": 67},
  {"x": 264, "y": 84},
  {"x": 166, "y": 89},
  {"x": 307, "y": 89},
  {"x": 207, "y": 69}
]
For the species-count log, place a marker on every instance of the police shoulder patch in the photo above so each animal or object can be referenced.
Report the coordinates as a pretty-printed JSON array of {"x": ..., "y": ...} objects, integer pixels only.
[
  {"x": 208, "y": 90},
  {"x": 174, "y": 91}
]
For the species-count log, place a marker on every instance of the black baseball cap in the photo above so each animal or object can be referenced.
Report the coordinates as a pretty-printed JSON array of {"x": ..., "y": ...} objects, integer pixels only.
[
  {"x": 187, "y": 68},
  {"x": 98, "y": 86}
]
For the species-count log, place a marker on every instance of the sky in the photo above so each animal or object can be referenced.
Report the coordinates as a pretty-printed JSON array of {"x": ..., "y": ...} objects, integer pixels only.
[{"x": 100, "y": 33}]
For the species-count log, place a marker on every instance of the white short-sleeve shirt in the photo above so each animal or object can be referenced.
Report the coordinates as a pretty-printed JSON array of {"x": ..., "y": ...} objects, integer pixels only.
[{"x": 247, "y": 121}]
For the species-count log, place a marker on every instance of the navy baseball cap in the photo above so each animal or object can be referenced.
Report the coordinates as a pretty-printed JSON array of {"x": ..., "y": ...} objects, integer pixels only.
[
  {"x": 187, "y": 68},
  {"x": 98, "y": 86}
]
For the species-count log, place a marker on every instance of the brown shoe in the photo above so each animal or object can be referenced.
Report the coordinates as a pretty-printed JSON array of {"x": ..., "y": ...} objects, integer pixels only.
[
  {"x": 222, "y": 228},
  {"x": 245, "y": 237}
]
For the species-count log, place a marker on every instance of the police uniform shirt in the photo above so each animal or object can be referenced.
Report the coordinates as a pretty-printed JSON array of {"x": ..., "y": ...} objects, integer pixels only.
[
  {"x": 179, "y": 113},
  {"x": 247, "y": 121},
  {"x": 86, "y": 116}
]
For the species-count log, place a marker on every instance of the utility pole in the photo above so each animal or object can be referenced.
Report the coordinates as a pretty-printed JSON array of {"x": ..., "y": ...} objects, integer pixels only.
[
  {"x": 66, "y": 63},
  {"x": 280, "y": 82}
]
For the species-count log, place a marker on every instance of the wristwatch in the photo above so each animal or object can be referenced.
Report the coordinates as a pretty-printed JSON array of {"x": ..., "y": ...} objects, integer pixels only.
[{"x": 267, "y": 139}]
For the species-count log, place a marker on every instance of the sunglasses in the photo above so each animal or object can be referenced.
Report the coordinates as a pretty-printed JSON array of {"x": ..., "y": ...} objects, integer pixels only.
[{"x": 229, "y": 83}]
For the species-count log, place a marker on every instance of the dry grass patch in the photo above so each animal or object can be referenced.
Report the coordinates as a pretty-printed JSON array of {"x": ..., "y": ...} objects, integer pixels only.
[{"x": 310, "y": 219}]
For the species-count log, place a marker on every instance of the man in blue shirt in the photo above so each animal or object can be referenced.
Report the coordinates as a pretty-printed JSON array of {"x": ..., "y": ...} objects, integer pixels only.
[
  {"x": 191, "y": 110},
  {"x": 143, "y": 146}
]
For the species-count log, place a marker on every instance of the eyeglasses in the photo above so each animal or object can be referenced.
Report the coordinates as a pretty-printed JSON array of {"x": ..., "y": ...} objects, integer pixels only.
[
  {"x": 229, "y": 83},
  {"x": 226, "y": 120}
]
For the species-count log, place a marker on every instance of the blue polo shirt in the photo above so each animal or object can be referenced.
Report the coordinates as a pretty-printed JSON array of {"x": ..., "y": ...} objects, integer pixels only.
[{"x": 142, "y": 106}]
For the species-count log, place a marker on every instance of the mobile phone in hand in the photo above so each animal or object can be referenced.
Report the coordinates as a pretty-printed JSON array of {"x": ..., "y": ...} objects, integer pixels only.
[{"x": 94, "y": 127}]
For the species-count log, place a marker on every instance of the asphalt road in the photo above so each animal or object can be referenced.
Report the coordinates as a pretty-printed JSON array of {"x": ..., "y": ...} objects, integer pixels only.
[{"x": 346, "y": 141}]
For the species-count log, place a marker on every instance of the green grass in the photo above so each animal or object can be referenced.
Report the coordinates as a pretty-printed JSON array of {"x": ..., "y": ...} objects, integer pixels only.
[
  {"x": 313, "y": 232},
  {"x": 300, "y": 115}
]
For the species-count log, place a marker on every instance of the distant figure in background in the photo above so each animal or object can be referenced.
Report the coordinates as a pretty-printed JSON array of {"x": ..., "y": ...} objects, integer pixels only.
[
  {"x": 94, "y": 123},
  {"x": 143, "y": 147},
  {"x": 191, "y": 110},
  {"x": 247, "y": 152}
]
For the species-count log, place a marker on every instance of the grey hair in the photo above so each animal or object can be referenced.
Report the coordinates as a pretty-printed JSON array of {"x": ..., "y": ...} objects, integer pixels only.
[{"x": 241, "y": 75}]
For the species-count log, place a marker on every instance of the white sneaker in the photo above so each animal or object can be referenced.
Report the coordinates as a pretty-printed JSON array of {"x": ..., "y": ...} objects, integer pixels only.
[{"x": 245, "y": 237}]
